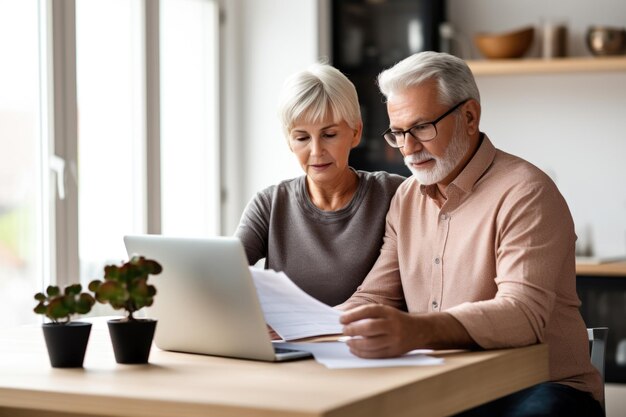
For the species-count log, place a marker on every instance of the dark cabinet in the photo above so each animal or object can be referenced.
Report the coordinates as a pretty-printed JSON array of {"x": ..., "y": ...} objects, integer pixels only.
[
  {"x": 367, "y": 37},
  {"x": 603, "y": 304}
]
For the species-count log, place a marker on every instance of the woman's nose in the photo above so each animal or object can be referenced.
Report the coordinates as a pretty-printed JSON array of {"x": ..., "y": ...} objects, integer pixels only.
[{"x": 316, "y": 146}]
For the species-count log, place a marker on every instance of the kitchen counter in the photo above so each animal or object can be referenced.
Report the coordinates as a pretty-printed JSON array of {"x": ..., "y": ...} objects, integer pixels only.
[{"x": 609, "y": 269}]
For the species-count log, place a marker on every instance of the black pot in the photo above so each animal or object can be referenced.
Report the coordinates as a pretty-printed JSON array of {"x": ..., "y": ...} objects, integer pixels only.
[
  {"x": 132, "y": 339},
  {"x": 66, "y": 343}
]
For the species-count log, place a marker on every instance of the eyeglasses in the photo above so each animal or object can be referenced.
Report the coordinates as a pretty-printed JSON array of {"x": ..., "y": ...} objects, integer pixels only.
[{"x": 423, "y": 132}]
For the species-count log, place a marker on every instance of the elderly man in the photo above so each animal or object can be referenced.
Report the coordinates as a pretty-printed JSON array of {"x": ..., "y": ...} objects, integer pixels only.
[{"x": 478, "y": 247}]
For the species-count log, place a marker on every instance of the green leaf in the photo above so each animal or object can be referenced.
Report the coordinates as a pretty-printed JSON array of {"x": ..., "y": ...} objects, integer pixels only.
[
  {"x": 111, "y": 272},
  {"x": 87, "y": 298},
  {"x": 112, "y": 292},
  {"x": 57, "y": 309},
  {"x": 62, "y": 306},
  {"x": 69, "y": 303},
  {"x": 125, "y": 286},
  {"x": 53, "y": 291},
  {"x": 40, "y": 308},
  {"x": 153, "y": 267},
  {"x": 84, "y": 303},
  {"x": 94, "y": 285},
  {"x": 74, "y": 289}
]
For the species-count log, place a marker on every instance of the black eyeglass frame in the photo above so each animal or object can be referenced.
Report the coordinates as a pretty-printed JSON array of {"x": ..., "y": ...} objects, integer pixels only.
[{"x": 394, "y": 143}]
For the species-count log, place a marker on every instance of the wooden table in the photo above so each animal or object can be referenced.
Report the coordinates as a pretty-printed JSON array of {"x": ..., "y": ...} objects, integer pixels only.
[
  {"x": 609, "y": 269},
  {"x": 185, "y": 385}
]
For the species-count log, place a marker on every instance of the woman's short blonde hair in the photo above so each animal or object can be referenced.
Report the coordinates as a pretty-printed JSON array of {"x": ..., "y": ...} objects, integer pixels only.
[{"x": 320, "y": 92}]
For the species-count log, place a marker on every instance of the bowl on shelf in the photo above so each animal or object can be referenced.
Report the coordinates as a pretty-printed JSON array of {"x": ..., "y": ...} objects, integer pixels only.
[
  {"x": 512, "y": 44},
  {"x": 605, "y": 40}
]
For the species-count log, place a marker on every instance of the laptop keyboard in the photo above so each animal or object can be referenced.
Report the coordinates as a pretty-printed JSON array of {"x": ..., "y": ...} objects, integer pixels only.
[{"x": 284, "y": 350}]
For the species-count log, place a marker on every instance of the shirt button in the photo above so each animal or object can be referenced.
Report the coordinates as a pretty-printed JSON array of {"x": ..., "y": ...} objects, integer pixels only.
[
  {"x": 444, "y": 217},
  {"x": 435, "y": 304},
  {"x": 437, "y": 260}
]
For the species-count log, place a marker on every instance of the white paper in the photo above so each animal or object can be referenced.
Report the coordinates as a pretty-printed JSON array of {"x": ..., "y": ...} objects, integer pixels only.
[
  {"x": 291, "y": 312},
  {"x": 336, "y": 355}
]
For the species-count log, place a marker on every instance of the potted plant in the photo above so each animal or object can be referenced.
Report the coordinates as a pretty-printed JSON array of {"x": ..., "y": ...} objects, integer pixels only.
[
  {"x": 126, "y": 287},
  {"x": 66, "y": 340}
]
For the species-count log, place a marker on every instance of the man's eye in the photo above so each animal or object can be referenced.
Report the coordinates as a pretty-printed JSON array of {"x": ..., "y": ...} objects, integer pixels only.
[{"x": 419, "y": 128}]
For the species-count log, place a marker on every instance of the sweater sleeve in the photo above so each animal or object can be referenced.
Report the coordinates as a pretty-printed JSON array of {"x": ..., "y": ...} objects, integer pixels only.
[{"x": 253, "y": 227}]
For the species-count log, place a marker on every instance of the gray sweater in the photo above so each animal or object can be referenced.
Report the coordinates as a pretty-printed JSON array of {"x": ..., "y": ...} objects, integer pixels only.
[{"x": 326, "y": 253}]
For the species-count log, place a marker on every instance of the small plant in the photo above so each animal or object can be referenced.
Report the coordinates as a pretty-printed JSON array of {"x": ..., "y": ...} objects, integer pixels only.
[
  {"x": 126, "y": 287},
  {"x": 57, "y": 306}
]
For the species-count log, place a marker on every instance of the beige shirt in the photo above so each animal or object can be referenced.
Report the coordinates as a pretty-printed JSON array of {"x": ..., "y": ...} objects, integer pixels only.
[{"x": 498, "y": 255}]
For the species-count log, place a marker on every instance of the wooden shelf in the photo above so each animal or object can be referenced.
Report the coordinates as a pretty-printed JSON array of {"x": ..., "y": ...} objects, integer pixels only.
[
  {"x": 613, "y": 269},
  {"x": 547, "y": 66}
]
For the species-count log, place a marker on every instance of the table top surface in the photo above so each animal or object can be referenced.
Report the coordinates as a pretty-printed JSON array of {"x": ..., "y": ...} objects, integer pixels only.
[
  {"x": 607, "y": 269},
  {"x": 187, "y": 385}
]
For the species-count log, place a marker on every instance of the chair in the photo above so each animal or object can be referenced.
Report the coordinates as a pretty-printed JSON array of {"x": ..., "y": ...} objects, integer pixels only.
[{"x": 597, "y": 347}]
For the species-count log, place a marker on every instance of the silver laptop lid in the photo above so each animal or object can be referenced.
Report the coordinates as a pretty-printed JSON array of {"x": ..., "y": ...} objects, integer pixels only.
[{"x": 206, "y": 301}]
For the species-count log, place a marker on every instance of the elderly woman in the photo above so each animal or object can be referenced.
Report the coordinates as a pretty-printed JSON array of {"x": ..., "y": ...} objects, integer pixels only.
[{"x": 323, "y": 229}]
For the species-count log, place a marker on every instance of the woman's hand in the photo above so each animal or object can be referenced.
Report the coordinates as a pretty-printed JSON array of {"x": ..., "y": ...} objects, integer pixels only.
[{"x": 273, "y": 334}]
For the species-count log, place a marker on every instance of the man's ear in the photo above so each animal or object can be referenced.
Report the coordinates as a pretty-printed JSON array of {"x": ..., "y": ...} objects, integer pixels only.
[
  {"x": 471, "y": 116},
  {"x": 358, "y": 131}
]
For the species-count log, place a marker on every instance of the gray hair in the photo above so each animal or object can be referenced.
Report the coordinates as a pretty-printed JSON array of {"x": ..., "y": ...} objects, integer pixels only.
[
  {"x": 454, "y": 78},
  {"x": 316, "y": 94}
]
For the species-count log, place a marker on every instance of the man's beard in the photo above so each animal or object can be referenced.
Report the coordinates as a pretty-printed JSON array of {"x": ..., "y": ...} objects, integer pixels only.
[{"x": 457, "y": 148}]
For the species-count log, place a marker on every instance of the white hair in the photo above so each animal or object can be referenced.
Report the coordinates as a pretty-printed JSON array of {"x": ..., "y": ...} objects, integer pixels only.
[
  {"x": 455, "y": 80},
  {"x": 319, "y": 93}
]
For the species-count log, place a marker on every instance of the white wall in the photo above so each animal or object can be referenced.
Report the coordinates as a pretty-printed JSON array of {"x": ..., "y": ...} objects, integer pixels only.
[
  {"x": 571, "y": 125},
  {"x": 471, "y": 16},
  {"x": 276, "y": 39}
]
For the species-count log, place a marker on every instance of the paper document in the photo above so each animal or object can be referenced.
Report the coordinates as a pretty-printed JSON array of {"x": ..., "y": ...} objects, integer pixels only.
[
  {"x": 336, "y": 355},
  {"x": 291, "y": 312}
]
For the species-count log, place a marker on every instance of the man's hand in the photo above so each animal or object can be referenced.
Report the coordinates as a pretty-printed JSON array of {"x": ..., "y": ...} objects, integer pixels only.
[{"x": 379, "y": 331}]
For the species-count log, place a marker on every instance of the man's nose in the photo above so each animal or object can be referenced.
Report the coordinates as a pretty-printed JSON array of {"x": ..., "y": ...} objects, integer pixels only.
[{"x": 411, "y": 145}]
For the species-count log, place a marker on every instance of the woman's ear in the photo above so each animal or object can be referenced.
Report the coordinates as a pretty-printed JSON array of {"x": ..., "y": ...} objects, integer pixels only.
[
  {"x": 358, "y": 131},
  {"x": 288, "y": 139}
]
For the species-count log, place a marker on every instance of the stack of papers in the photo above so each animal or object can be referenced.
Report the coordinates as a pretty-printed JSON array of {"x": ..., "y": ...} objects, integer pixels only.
[
  {"x": 291, "y": 312},
  {"x": 336, "y": 355},
  {"x": 294, "y": 314}
]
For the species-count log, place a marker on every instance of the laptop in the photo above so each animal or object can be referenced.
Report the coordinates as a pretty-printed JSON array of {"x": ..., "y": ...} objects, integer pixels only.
[{"x": 206, "y": 300}]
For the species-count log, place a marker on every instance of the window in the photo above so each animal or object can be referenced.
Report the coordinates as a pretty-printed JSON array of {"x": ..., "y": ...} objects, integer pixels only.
[
  {"x": 110, "y": 85},
  {"x": 189, "y": 122},
  {"x": 128, "y": 121},
  {"x": 22, "y": 145}
]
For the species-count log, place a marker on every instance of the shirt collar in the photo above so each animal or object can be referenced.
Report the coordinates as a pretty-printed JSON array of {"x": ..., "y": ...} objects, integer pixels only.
[{"x": 472, "y": 172}]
